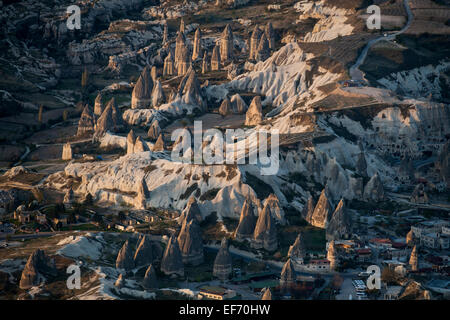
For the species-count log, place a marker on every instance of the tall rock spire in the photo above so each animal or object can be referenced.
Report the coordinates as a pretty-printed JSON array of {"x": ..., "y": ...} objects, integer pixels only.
[
  {"x": 124, "y": 258},
  {"x": 254, "y": 42},
  {"x": 265, "y": 234},
  {"x": 142, "y": 91},
  {"x": 247, "y": 222},
  {"x": 86, "y": 122},
  {"x": 414, "y": 259},
  {"x": 172, "y": 262},
  {"x": 322, "y": 212},
  {"x": 169, "y": 65},
  {"x": 191, "y": 243},
  {"x": 332, "y": 256},
  {"x": 215, "y": 59},
  {"x": 223, "y": 263},
  {"x": 339, "y": 226},
  {"x": 226, "y": 44},
  {"x": 288, "y": 275},
  {"x": 270, "y": 35},
  {"x": 98, "y": 106},
  {"x": 197, "y": 46},
  {"x": 131, "y": 140},
  {"x": 150, "y": 278},
  {"x": 298, "y": 250},
  {"x": 144, "y": 252},
  {"x": 205, "y": 62},
  {"x": 254, "y": 115}
]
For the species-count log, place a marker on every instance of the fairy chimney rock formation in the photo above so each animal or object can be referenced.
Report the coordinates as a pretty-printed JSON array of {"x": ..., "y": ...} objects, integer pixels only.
[
  {"x": 67, "y": 152},
  {"x": 142, "y": 195},
  {"x": 254, "y": 115},
  {"x": 263, "y": 50},
  {"x": 226, "y": 44},
  {"x": 247, "y": 222},
  {"x": 110, "y": 120},
  {"x": 158, "y": 96},
  {"x": 124, "y": 258},
  {"x": 205, "y": 63},
  {"x": 197, "y": 46},
  {"x": 339, "y": 226},
  {"x": 144, "y": 252},
  {"x": 191, "y": 211},
  {"x": 142, "y": 91},
  {"x": 322, "y": 212},
  {"x": 298, "y": 250},
  {"x": 159, "y": 145},
  {"x": 98, "y": 106},
  {"x": 254, "y": 42},
  {"x": 120, "y": 282},
  {"x": 267, "y": 294},
  {"x": 270, "y": 35},
  {"x": 191, "y": 243},
  {"x": 414, "y": 259},
  {"x": 150, "y": 278},
  {"x": 288, "y": 274},
  {"x": 169, "y": 65},
  {"x": 410, "y": 237},
  {"x": 154, "y": 131},
  {"x": 225, "y": 107},
  {"x": 38, "y": 266},
  {"x": 238, "y": 104},
  {"x": 265, "y": 234},
  {"x": 308, "y": 209},
  {"x": 215, "y": 59},
  {"x": 373, "y": 191},
  {"x": 223, "y": 263},
  {"x": 69, "y": 197},
  {"x": 131, "y": 140},
  {"x": 86, "y": 122},
  {"x": 361, "y": 165},
  {"x": 172, "y": 262},
  {"x": 183, "y": 62}
]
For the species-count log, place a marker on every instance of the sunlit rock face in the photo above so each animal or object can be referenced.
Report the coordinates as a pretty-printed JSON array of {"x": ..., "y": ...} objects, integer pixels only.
[
  {"x": 265, "y": 234},
  {"x": 226, "y": 44},
  {"x": 142, "y": 92},
  {"x": 254, "y": 113},
  {"x": 37, "y": 267},
  {"x": 223, "y": 263},
  {"x": 172, "y": 262},
  {"x": 86, "y": 122},
  {"x": 191, "y": 243}
]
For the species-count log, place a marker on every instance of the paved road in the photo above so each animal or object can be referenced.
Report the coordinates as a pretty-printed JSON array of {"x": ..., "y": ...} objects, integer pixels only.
[{"x": 357, "y": 74}]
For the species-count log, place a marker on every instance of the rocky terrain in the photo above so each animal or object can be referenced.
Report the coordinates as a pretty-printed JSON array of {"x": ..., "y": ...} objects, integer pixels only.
[{"x": 89, "y": 118}]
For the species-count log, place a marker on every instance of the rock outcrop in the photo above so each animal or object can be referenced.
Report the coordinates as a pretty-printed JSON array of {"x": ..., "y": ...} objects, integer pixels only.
[
  {"x": 288, "y": 275},
  {"x": 169, "y": 65},
  {"x": 322, "y": 212},
  {"x": 131, "y": 140},
  {"x": 205, "y": 63},
  {"x": 67, "y": 152},
  {"x": 159, "y": 145},
  {"x": 225, "y": 107},
  {"x": 191, "y": 212},
  {"x": 197, "y": 50},
  {"x": 414, "y": 259},
  {"x": 142, "y": 91},
  {"x": 184, "y": 61},
  {"x": 410, "y": 238},
  {"x": 110, "y": 120},
  {"x": 308, "y": 209},
  {"x": 172, "y": 261},
  {"x": 226, "y": 44},
  {"x": 144, "y": 253},
  {"x": 267, "y": 295},
  {"x": 189, "y": 90},
  {"x": 37, "y": 267},
  {"x": 158, "y": 96},
  {"x": 298, "y": 250},
  {"x": 270, "y": 35},
  {"x": 120, "y": 282},
  {"x": 339, "y": 226},
  {"x": 69, "y": 197},
  {"x": 254, "y": 114},
  {"x": 263, "y": 50},
  {"x": 373, "y": 191},
  {"x": 238, "y": 104},
  {"x": 142, "y": 195},
  {"x": 124, "y": 258},
  {"x": 215, "y": 59},
  {"x": 442, "y": 163},
  {"x": 98, "y": 106},
  {"x": 223, "y": 266},
  {"x": 150, "y": 278},
  {"x": 247, "y": 222},
  {"x": 191, "y": 243},
  {"x": 154, "y": 131},
  {"x": 254, "y": 42},
  {"x": 361, "y": 165},
  {"x": 86, "y": 122},
  {"x": 265, "y": 234}
]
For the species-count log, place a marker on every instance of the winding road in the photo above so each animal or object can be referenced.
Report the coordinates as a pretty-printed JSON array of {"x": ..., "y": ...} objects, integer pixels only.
[{"x": 358, "y": 75}]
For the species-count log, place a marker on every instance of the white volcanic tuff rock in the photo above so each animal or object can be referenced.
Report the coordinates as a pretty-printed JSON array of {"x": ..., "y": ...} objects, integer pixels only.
[
  {"x": 197, "y": 50},
  {"x": 117, "y": 181},
  {"x": 282, "y": 80},
  {"x": 115, "y": 141},
  {"x": 131, "y": 140},
  {"x": 418, "y": 82}
]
